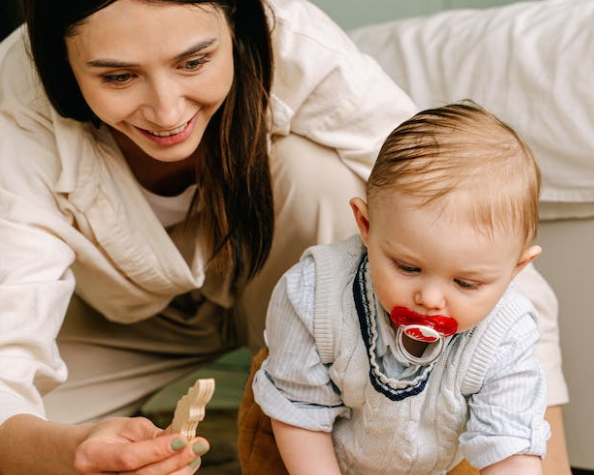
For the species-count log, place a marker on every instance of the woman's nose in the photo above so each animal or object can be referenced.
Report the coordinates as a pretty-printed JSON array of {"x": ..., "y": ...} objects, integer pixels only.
[{"x": 164, "y": 104}]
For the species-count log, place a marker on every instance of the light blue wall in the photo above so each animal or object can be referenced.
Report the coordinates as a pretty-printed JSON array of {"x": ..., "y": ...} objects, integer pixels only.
[{"x": 354, "y": 13}]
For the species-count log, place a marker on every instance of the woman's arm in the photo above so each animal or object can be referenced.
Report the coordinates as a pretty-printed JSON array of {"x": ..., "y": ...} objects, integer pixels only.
[
  {"x": 319, "y": 69},
  {"x": 548, "y": 351},
  {"x": 305, "y": 452},
  {"x": 556, "y": 461},
  {"x": 516, "y": 465},
  {"x": 31, "y": 446}
]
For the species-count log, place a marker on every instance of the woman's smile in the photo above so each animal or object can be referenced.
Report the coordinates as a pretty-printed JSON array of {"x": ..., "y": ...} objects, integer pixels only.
[{"x": 170, "y": 137}]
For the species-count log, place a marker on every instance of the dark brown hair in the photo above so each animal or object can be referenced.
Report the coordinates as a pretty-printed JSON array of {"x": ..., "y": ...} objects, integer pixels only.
[{"x": 234, "y": 178}]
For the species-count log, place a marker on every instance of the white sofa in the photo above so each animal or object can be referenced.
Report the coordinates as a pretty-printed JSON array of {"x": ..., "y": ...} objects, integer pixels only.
[{"x": 532, "y": 64}]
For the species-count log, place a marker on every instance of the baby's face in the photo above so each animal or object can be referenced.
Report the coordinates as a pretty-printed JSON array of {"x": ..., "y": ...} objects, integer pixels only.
[{"x": 435, "y": 264}]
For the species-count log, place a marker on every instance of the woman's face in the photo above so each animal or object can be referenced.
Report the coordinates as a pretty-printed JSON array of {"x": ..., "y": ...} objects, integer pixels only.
[{"x": 154, "y": 72}]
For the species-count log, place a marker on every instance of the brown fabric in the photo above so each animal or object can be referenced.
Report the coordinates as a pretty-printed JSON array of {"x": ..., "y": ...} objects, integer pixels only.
[
  {"x": 257, "y": 449},
  {"x": 464, "y": 468},
  {"x": 258, "y": 453}
]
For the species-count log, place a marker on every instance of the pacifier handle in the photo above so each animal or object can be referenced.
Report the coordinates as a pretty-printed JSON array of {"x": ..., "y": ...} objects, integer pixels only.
[{"x": 429, "y": 335}]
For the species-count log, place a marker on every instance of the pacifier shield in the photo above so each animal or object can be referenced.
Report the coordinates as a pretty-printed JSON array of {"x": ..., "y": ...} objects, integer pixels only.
[
  {"x": 422, "y": 333},
  {"x": 443, "y": 325}
]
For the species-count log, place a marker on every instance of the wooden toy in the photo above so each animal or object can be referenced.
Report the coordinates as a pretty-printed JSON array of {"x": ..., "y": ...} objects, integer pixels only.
[{"x": 190, "y": 409}]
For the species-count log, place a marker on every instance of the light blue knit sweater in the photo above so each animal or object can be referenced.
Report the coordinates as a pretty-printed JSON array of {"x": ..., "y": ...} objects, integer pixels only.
[{"x": 414, "y": 426}]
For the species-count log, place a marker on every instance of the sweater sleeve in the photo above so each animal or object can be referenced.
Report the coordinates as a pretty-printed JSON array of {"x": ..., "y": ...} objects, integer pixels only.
[
  {"x": 507, "y": 414},
  {"x": 327, "y": 90},
  {"x": 293, "y": 385}
]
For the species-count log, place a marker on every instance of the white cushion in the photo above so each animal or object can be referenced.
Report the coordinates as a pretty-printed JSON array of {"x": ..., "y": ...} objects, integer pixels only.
[{"x": 530, "y": 63}]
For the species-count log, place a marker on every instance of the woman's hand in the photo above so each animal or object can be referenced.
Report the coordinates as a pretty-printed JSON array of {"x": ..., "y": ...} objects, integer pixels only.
[
  {"x": 130, "y": 446},
  {"x": 136, "y": 446}
]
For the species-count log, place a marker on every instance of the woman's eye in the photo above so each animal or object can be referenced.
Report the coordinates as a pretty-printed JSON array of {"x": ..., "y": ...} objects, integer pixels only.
[
  {"x": 194, "y": 64},
  {"x": 117, "y": 78},
  {"x": 466, "y": 285}
]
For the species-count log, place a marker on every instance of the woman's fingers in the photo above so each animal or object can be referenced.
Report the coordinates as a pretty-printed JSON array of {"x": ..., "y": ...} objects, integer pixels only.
[
  {"x": 185, "y": 462},
  {"x": 122, "y": 445}
]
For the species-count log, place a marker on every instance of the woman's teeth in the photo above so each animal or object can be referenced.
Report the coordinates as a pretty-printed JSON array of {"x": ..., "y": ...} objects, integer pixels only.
[{"x": 167, "y": 133}]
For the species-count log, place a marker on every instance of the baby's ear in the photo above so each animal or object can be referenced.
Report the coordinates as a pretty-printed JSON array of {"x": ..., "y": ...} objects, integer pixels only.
[
  {"x": 361, "y": 213},
  {"x": 527, "y": 256}
]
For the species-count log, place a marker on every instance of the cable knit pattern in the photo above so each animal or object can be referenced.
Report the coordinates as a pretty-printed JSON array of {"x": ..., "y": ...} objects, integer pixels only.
[{"x": 410, "y": 426}]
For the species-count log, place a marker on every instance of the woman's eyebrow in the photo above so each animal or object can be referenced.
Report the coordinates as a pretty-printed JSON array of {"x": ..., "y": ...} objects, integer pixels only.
[
  {"x": 114, "y": 63},
  {"x": 109, "y": 63},
  {"x": 196, "y": 48}
]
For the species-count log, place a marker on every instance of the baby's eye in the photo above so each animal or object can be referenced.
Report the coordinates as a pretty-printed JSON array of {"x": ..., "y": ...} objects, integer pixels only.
[
  {"x": 466, "y": 285},
  {"x": 117, "y": 78},
  {"x": 407, "y": 269}
]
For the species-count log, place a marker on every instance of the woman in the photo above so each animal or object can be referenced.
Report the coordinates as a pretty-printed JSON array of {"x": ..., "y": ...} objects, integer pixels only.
[{"x": 171, "y": 160}]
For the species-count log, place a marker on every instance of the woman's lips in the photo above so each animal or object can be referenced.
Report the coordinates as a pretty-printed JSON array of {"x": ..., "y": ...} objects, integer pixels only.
[
  {"x": 415, "y": 324},
  {"x": 170, "y": 137},
  {"x": 168, "y": 133}
]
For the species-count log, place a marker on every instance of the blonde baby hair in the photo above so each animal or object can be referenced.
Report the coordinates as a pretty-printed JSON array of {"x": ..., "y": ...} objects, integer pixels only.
[{"x": 461, "y": 147}]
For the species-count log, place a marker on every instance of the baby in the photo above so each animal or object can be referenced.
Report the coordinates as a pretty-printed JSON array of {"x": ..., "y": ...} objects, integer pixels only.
[{"x": 408, "y": 347}]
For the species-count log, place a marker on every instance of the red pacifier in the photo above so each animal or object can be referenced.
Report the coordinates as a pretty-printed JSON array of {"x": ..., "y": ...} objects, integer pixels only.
[{"x": 427, "y": 329}]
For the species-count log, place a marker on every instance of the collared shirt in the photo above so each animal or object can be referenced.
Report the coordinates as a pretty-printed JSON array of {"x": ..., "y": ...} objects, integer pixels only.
[{"x": 295, "y": 387}]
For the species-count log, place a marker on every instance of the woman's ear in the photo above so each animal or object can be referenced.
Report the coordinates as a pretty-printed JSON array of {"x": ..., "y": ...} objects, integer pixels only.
[
  {"x": 527, "y": 256},
  {"x": 361, "y": 213}
]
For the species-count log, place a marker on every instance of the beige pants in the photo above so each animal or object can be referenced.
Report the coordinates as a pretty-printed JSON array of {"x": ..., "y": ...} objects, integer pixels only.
[{"x": 114, "y": 368}]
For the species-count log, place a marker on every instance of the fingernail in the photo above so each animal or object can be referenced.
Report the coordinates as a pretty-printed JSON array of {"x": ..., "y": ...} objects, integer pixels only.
[
  {"x": 200, "y": 447},
  {"x": 178, "y": 443},
  {"x": 195, "y": 463}
]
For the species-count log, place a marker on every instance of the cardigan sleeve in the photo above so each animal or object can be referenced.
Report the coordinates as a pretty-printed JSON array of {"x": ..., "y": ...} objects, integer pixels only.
[
  {"x": 36, "y": 282},
  {"x": 327, "y": 90}
]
